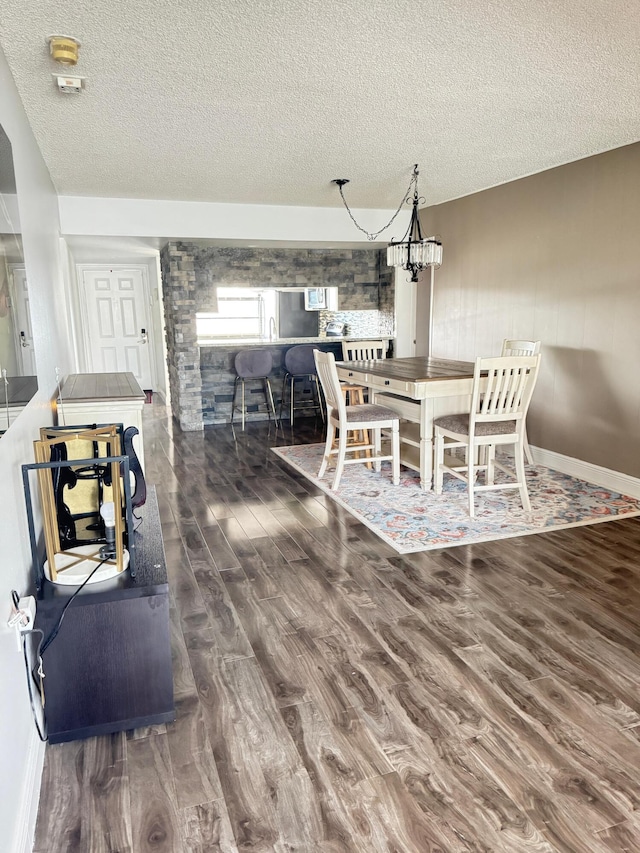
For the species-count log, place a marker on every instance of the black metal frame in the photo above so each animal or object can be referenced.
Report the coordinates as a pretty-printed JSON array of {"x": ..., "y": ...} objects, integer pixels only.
[
  {"x": 413, "y": 234},
  {"x": 38, "y": 569}
]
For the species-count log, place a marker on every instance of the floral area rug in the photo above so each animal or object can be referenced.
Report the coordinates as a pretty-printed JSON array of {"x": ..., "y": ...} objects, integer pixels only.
[{"x": 410, "y": 519}]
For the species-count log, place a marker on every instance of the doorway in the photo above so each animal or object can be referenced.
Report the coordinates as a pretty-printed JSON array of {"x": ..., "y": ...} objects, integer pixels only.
[{"x": 115, "y": 305}]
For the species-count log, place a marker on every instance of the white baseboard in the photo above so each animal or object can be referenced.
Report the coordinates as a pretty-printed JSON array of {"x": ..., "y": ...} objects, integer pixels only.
[
  {"x": 26, "y": 820},
  {"x": 615, "y": 481}
]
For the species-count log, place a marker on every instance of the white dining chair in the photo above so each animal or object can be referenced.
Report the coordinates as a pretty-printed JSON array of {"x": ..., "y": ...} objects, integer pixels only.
[
  {"x": 361, "y": 351},
  {"x": 345, "y": 419},
  {"x": 499, "y": 402},
  {"x": 513, "y": 347},
  {"x": 364, "y": 350}
]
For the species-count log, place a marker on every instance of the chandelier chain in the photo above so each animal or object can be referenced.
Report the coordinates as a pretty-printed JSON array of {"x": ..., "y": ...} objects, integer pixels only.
[{"x": 374, "y": 235}]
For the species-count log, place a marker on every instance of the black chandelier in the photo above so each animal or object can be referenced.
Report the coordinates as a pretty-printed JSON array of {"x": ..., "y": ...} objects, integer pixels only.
[{"x": 414, "y": 252}]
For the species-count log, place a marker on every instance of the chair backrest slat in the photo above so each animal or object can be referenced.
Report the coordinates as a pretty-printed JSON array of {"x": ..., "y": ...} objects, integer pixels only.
[{"x": 364, "y": 350}]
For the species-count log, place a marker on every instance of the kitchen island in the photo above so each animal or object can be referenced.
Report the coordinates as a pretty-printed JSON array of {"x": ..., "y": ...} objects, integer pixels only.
[{"x": 218, "y": 372}]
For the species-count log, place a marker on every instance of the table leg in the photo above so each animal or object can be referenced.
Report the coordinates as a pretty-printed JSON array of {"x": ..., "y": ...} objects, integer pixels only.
[{"x": 426, "y": 445}]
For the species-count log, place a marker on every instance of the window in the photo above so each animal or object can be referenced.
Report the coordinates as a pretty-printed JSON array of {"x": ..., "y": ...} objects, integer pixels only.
[{"x": 242, "y": 313}]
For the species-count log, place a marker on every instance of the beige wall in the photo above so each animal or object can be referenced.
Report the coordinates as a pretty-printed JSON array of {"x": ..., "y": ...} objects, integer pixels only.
[{"x": 554, "y": 257}]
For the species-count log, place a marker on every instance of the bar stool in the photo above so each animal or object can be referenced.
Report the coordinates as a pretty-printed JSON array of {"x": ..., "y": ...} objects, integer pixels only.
[
  {"x": 253, "y": 365},
  {"x": 299, "y": 364},
  {"x": 354, "y": 396}
]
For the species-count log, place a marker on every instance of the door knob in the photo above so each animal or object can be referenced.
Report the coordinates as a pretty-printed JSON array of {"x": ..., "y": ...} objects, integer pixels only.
[
  {"x": 23, "y": 340},
  {"x": 143, "y": 336}
]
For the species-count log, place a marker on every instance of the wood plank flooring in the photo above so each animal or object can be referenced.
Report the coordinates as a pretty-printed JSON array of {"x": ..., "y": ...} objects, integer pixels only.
[{"x": 335, "y": 697}]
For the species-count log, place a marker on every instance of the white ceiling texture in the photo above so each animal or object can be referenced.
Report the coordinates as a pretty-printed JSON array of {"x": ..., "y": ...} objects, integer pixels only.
[{"x": 265, "y": 101}]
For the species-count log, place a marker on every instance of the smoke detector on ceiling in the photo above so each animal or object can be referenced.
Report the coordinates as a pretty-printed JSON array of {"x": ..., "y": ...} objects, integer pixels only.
[
  {"x": 64, "y": 49},
  {"x": 69, "y": 85}
]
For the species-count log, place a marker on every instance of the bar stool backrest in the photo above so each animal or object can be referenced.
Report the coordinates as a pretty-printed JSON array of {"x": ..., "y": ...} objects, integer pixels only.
[
  {"x": 298, "y": 361},
  {"x": 253, "y": 363}
]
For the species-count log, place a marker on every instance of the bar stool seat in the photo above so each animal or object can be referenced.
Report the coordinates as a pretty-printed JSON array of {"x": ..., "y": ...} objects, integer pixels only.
[
  {"x": 300, "y": 365},
  {"x": 253, "y": 365}
]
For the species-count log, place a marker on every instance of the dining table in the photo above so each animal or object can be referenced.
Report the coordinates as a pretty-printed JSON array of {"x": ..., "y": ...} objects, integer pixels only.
[{"x": 419, "y": 389}]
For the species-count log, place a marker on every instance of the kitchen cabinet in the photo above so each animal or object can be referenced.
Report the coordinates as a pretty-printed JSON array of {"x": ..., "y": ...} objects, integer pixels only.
[{"x": 103, "y": 398}]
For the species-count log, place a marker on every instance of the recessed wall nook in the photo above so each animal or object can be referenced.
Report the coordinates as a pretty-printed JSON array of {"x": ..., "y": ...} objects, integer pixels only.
[{"x": 201, "y": 377}]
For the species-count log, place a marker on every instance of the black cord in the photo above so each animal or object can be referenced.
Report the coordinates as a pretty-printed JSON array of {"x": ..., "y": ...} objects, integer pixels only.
[
  {"x": 42, "y": 732},
  {"x": 54, "y": 631}
]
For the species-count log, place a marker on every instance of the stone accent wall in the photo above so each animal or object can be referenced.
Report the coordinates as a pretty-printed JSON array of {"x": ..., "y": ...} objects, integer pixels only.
[
  {"x": 355, "y": 271},
  {"x": 183, "y": 355}
]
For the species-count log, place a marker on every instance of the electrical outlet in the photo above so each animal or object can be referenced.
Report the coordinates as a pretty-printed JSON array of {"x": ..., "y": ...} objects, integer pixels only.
[
  {"x": 27, "y": 607},
  {"x": 23, "y": 617}
]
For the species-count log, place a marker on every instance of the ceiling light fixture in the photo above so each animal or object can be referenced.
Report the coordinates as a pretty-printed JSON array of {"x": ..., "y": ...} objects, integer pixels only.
[
  {"x": 414, "y": 252},
  {"x": 64, "y": 49}
]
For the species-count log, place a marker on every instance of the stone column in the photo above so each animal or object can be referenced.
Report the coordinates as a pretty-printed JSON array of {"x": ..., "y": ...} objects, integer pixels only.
[{"x": 183, "y": 354}]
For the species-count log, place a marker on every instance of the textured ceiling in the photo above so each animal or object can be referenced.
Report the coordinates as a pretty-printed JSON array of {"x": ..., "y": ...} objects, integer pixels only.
[{"x": 265, "y": 101}]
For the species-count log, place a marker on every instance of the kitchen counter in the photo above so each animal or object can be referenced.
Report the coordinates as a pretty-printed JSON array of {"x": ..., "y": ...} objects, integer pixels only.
[
  {"x": 229, "y": 343},
  {"x": 218, "y": 373}
]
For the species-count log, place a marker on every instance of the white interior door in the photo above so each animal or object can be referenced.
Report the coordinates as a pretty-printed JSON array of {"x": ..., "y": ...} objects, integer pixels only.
[
  {"x": 405, "y": 298},
  {"x": 26, "y": 354},
  {"x": 117, "y": 314}
]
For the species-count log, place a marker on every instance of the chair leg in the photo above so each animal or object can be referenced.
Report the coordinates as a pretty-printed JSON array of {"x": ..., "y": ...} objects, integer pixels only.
[
  {"x": 233, "y": 402},
  {"x": 269, "y": 399},
  {"x": 292, "y": 388},
  {"x": 438, "y": 474},
  {"x": 284, "y": 386},
  {"x": 244, "y": 407},
  {"x": 527, "y": 450},
  {"x": 470, "y": 452},
  {"x": 395, "y": 452},
  {"x": 377, "y": 442},
  {"x": 316, "y": 394},
  {"x": 331, "y": 434},
  {"x": 490, "y": 462},
  {"x": 522, "y": 479},
  {"x": 342, "y": 451}
]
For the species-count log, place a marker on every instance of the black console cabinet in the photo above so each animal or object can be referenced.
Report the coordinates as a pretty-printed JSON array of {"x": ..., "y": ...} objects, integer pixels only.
[{"x": 109, "y": 668}]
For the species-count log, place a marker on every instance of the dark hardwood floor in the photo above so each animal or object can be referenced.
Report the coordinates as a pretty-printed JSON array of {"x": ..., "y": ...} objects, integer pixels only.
[{"x": 333, "y": 696}]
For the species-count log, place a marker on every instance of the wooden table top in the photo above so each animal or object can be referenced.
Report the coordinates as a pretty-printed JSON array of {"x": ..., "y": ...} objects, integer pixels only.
[
  {"x": 417, "y": 369},
  {"x": 80, "y": 387}
]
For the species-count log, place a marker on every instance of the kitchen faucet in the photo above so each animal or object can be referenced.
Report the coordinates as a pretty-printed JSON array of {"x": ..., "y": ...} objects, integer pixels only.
[{"x": 272, "y": 329}]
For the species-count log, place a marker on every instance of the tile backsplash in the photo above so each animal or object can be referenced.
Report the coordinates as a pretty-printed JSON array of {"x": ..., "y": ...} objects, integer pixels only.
[{"x": 359, "y": 323}]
